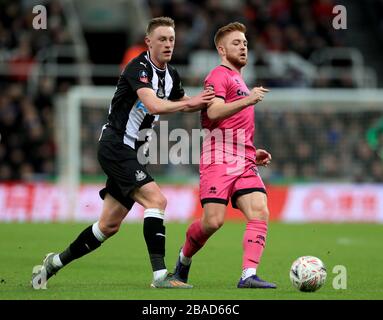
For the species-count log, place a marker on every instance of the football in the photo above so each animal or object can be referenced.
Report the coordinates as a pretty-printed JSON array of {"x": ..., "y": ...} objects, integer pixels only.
[{"x": 308, "y": 273}]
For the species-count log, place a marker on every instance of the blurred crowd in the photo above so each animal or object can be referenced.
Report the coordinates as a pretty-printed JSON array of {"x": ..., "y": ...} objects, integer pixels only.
[
  {"x": 308, "y": 146},
  {"x": 27, "y": 142},
  {"x": 27, "y": 147},
  {"x": 313, "y": 146},
  {"x": 20, "y": 44},
  {"x": 301, "y": 26}
]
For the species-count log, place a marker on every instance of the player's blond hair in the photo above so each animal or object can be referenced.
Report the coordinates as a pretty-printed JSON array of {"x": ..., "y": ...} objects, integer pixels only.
[
  {"x": 159, "y": 22},
  {"x": 231, "y": 27}
]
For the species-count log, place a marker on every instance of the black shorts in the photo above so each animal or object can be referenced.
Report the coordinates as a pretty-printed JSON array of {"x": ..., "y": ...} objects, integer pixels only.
[{"x": 123, "y": 170}]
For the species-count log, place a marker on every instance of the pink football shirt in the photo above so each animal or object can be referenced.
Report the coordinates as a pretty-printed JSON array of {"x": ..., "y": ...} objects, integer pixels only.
[{"x": 235, "y": 135}]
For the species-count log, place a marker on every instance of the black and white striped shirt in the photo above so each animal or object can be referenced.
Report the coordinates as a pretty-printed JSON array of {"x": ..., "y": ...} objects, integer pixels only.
[{"x": 127, "y": 114}]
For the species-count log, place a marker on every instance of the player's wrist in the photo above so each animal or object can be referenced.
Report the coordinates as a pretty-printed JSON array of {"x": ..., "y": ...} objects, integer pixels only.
[
  {"x": 189, "y": 103},
  {"x": 248, "y": 102}
]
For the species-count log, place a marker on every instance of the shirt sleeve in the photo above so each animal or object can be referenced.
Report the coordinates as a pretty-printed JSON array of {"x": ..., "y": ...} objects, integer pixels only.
[
  {"x": 217, "y": 81},
  {"x": 177, "y": 91},
  {"x": 137, "y": 75}
]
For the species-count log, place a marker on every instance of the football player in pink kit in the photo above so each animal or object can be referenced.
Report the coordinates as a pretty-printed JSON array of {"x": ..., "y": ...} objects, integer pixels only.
[{"x": 231, "y": 112}]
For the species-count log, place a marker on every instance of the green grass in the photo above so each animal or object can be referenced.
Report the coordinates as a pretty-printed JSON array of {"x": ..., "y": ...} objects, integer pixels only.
[{"x": 120, "y": 269}]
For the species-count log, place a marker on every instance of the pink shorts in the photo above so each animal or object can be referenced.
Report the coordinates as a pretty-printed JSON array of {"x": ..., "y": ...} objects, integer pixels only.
[{"x": 220, "y": 182}]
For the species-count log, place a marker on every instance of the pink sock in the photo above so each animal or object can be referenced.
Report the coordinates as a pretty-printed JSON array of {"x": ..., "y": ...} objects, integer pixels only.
[
  {"x": 195, "y": 239},
  {"x": 253, "y": 243}
]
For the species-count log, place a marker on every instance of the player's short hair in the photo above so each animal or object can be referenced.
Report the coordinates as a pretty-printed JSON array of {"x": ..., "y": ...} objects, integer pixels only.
[
  {"x": 231, "y": 27},
  {"x": 159, "y": 22}
]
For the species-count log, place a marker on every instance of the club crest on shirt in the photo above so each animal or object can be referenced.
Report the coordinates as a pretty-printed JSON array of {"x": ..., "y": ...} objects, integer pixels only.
[
  {"x": 140, "y": 175},
  {"x": 160, "y": 93},
  {"x": 143, "y": 76}
]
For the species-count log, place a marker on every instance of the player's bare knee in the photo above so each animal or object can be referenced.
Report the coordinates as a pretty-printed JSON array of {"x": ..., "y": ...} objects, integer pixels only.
[
  {"x": 159, "y": 202},
  {"x": 217, "y": 224},
  {"x": 164, "y": 203},
  {"x": 109, "y": 229},
  {"x": 213, "y": 224},
  {"x": 260, "y": 213}
]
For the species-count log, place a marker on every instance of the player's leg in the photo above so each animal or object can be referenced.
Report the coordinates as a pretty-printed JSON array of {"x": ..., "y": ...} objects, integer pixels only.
[
  {"x": 154, "y": 202},
  {"x": 196, "y": 236},
  {"x": 214, "y": 195},
  {"x": 89, "y": 239},
  {"x": 254, "y": 207},
  {"x": 202, "y": 229}
]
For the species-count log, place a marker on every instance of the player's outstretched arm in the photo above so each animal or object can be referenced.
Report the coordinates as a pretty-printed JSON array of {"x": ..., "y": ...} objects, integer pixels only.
[
  {"x": 209, "y": 95},
  {"x": 219, "y": 110},
  {"x": 156, "y": 105}
]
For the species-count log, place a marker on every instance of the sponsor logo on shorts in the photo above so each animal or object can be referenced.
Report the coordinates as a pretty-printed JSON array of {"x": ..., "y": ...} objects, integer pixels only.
[
  {"x": 140, "y": 175},
  {"x": 213, "y": 190}
]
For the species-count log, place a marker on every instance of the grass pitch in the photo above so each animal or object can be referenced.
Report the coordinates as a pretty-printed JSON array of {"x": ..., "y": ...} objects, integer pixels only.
[{"x": 120, "y": 268}]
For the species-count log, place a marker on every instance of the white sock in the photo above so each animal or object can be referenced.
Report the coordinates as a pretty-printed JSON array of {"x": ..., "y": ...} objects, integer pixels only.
[
  {"x": 185, "y": 260},
  {"x": 248, "y": 272},
  {"x": 56, "y": 261},
  {"x": 97, "y": 232},
  {"x": 154, "y": 213},
  {"x": 159, "y": 274}
]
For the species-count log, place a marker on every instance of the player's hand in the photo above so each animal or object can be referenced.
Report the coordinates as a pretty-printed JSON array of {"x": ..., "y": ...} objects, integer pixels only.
[
  {"x": 263, "y": 158},
  {"x": 257, "y": 94},
  {"x": 203, "y": 98}
]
